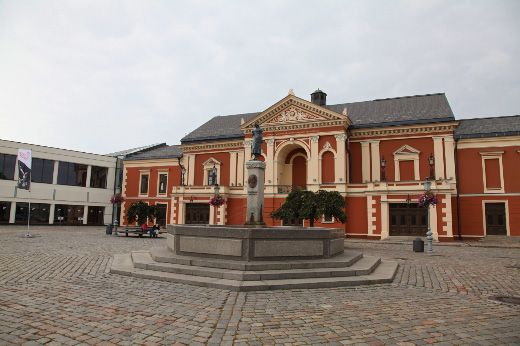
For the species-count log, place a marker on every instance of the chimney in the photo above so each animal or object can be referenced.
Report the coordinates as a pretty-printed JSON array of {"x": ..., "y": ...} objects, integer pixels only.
[{"x": 319, "y": 98}]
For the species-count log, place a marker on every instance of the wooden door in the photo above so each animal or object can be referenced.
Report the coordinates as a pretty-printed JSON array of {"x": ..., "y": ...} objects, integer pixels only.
[
  {"x": 197, "y": 213},
  {"x": 496, "y": 219},
  {"x": 408, "y": 220}
]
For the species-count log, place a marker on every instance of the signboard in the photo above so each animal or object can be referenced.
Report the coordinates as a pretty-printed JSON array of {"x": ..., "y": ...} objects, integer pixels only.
[{"x": 24, "y": 168}]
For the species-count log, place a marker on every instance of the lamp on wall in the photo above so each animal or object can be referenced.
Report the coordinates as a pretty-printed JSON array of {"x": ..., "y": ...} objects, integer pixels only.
[
  {"x": 431, "y": 161},
  {"x": 183, "y": 172},
  {"x": 383, "y": 165}
]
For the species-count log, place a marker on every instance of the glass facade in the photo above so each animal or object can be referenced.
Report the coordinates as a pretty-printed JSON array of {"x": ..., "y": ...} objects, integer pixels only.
[
  {"x": 72, "y": 174},
  {"x": 39, "y": 213},
  {"x": 68, "y": 214},
  {"x": 42, "y": 171},
  {"x": 5, "y": 211},
  {"x": 95, "y": 215},
  {"x": 98, "y": 177},
  {"x": 7, "y": 165}
]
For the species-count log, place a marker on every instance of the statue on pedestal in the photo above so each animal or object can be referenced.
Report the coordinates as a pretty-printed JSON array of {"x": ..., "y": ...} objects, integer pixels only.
[{"x": 256, "y": 145}]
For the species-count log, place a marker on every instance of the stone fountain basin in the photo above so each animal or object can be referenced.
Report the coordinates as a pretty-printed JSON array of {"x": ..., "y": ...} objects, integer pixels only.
[{"x": 255, "y": 244}]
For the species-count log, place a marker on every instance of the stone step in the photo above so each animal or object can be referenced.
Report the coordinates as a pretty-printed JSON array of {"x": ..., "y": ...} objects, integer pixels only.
[
  {"x": 384, "y": 273},
  {"x": 364, "y": 266},
  {"x": 346, "y": 259}
]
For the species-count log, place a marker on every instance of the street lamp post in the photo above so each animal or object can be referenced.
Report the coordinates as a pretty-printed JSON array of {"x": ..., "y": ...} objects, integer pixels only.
[{"x": 429, "y": 238}]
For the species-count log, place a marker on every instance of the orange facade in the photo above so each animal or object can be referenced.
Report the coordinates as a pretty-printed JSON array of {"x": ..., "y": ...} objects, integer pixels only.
[{"x": 315, "y": 147}]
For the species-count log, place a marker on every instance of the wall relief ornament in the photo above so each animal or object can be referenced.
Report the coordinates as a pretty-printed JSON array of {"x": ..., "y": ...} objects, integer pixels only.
[
  {"x": 294, "y": 114},
  {"x": 252, "y": 181}
]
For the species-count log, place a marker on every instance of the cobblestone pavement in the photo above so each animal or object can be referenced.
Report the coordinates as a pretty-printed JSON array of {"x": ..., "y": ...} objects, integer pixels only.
[{"x": 55, "y": 290}]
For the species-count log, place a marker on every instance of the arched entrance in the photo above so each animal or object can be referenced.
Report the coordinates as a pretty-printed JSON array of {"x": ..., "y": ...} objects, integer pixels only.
[{"x": 291, "y": 166}]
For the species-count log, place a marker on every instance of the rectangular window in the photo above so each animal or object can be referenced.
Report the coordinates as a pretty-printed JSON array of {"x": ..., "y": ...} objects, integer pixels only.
[
  {"x": 406, "y": 170},
  {"x": 98, "y": 177},
  {"x": 144, "y": 184},
  {"x": 68, "y": 214},
  {"x": 42, "y": 171},
  {"x": 5, "y": 212},
  {"x": 39, "y": 213},
  {"x": 492, "y": 167},
  {"x": 72, "y": 174},
  {"x": 163, "y": 183},
  {"x": 7, "y": 165}
]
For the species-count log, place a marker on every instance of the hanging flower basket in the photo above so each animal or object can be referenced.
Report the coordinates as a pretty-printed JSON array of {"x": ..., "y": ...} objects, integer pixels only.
[
  {"x": 117, "y": 199},
  {"x": 217, "y": 201},
  {"x": 428, "y": 199}
]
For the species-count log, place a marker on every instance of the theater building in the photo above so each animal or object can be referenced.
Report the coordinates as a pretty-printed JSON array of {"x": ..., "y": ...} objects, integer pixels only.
[{"x": 377, "y": 154}]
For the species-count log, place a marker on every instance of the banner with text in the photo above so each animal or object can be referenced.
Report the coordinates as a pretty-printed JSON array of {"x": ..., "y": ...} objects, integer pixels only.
[{"x": 24, "y": 167}]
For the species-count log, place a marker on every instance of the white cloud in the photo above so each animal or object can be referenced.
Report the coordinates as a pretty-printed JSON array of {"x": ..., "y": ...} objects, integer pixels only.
[{"x": 101, "y": 76}]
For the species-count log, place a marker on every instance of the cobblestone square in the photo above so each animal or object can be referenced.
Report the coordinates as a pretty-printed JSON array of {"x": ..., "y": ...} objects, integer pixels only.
[{"x": 55, "y": 289}]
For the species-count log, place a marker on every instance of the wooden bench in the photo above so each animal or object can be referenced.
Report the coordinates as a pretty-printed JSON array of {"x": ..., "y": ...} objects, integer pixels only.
[{"x": 139, "y": 231}]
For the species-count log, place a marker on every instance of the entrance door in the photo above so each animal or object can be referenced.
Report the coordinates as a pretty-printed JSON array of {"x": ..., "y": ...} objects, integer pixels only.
[
  {"x": 496, "y": 219},
  {"x": 161, "y": 215},
  {"x": 197, "y": 213},
  {"x": 299, "y": 172},
  {"x": 408, "y": 220}
]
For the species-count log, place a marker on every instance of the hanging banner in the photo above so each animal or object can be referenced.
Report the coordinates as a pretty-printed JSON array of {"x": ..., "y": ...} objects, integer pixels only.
[{"x": 24, "y": 168}]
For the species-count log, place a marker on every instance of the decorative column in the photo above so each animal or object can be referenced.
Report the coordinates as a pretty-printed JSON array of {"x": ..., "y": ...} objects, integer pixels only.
[
  {"x": 438, "y": 153},
  {"x": 313, "y": 165},
  {"x": 376, "y": 169},
  {"x": 255, "y": 194},
  {"x": 365, "y": 162},
  {"x": 449, "y": 154},
  {"x": 340, "y": 165},
  {"x": 269, "y": 171},
  {"x": 233, "y": 168},
  {"x": 191, "y": 169}
]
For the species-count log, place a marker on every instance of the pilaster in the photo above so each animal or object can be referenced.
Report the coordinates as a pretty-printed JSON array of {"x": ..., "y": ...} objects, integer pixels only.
[
  {"x": 313, "y": 165},
  {"x": 365, "y": 161},
  {"x": 376, "y": 172},
  {"x": 247, "y": 157},
  {"x": 371, "y": 218},
  {"x": 191, "y": 170},
  {"x": 269, "y": 170},
  {"x": 233, "y": 168},
  {"x": 385, "y": 225},
  {"x": 438, "y": 153},
  {"x": 340, "y": 164},
  {"x": 449, "y": 155},
  {"x": 240, "y": 168},
  {"x": 448, "y": 218}
]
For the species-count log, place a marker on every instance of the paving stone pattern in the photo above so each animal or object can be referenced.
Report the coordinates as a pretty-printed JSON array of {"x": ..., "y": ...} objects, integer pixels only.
[{"x": 55, "y": 290}]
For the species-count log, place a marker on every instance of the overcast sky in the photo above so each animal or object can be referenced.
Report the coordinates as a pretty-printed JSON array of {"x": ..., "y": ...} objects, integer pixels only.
[{"x": 104, "y": 76}]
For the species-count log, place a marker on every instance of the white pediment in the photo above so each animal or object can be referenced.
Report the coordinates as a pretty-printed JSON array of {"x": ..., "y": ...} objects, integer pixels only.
[
  {"x": 406, "y": 150},
  {"x": 211, "y": 161},
  {"x": 292, "y": 110}
]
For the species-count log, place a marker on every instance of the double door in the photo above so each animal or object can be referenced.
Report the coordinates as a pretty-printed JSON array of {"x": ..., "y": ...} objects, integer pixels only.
[{"x": 408, "y": 220}]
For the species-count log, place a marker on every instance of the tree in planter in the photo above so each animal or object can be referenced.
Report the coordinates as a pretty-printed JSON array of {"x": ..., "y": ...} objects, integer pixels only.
[
  {"x": 303, "y": 204},
  {"x": 141, "y": 212}
]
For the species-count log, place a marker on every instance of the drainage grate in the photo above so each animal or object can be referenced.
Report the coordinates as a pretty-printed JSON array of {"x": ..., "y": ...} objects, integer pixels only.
[{"x": 507, "y": 299}]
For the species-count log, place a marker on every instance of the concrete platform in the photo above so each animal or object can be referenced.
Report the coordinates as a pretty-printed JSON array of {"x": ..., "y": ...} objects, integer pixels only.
[{"x": 347, "y": 269}]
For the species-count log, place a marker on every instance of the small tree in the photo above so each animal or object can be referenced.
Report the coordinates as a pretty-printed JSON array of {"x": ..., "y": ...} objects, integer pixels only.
[
  {"x": 141, "y": 212},
  {"x": 303, "y": 204}
]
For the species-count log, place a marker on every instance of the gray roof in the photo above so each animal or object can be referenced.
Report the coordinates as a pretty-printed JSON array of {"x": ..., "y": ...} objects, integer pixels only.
[
  {"x": 397, "y": 111},
  {"x": 220, "y": 127},
  {"x": 162, "y": 152},
  {"x": 386, "y": 112},
  {"x": 135, "y": 150},
  {"x": 488, "y": 127}
]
